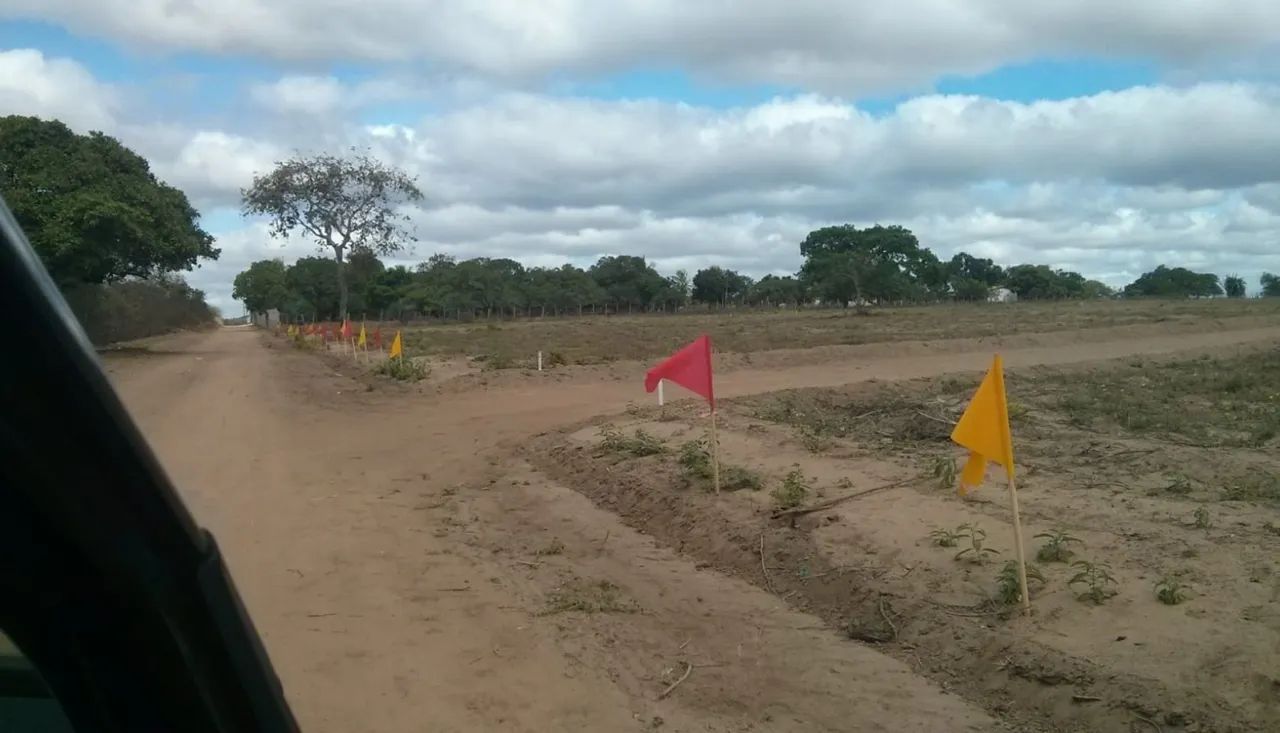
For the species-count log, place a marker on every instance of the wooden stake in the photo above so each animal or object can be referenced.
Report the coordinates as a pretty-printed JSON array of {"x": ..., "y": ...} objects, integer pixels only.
[
  {"x": 1022, "y": 553},
  {"x": 715, "y": 452},
  {"x": 661, "y": 398}
]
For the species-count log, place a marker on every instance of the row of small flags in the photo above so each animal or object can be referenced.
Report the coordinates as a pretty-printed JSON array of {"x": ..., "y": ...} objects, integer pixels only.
[
  {"x": 346, "y": 334},
  {"x": 983, "y": 429}
]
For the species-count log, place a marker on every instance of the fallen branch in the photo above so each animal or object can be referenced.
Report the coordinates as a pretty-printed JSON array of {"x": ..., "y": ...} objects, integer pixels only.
[
  {"x": 934, "y": 418},
  {"x": 1085, "y": 698},
  {"x": 1149, "y": 722},
  {"x": 839, "y": 500},
  {"x": 768, "y": 582},
  {"x": 530, "y": 564},
  {"x": 892, "y": 626},
  {"x": 688, "y": 670}
]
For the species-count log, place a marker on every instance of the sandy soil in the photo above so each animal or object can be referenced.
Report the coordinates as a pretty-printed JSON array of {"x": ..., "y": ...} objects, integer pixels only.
[{"x": 398, "y": 552}]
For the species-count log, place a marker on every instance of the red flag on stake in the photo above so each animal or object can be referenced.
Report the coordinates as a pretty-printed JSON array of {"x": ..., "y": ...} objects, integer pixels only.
[
  {"x": 690, "y": 368},
  {"x": 377, "y": 337}
]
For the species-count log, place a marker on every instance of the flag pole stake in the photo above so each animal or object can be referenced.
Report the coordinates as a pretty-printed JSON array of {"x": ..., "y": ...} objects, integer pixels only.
[
  {"x": 715, "y": 451},
  {"x": 1022, "y": 553},
  {"x": 661, "y": 399}
]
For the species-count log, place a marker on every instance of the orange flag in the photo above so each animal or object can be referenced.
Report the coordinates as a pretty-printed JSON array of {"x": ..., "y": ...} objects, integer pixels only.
[{"x": 984, "y": 430}]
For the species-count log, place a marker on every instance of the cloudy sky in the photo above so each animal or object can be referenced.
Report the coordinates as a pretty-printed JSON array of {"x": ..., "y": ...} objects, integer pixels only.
[{"x": 1101, "y": 136}]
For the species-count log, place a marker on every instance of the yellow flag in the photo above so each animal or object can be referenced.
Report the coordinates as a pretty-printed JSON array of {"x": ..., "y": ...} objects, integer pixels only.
[
  {"x": 360, "y": 341},
  {"x": 397, "y": 348},
  {"x": 984, "y": 429}
]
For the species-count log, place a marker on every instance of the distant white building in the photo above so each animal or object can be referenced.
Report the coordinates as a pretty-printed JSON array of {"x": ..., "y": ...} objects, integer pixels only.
[{"x": 1002, "y": 295}]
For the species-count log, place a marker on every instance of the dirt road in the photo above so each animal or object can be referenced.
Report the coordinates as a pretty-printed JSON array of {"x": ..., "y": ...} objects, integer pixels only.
[{"x": 397, "y": 555}]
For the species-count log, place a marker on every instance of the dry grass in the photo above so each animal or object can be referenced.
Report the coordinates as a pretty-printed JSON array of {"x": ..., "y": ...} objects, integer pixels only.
[
  {"x": 1192, "y": 429},
  {"x": 583, "y": 596},
  {"x": 600, "y": 339}
]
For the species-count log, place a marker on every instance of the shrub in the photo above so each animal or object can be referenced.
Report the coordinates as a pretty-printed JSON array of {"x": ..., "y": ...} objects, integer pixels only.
[
  {"x": 405, "y": 370},
  {"x": 1008, "y": 590},
  {"x": 1096, "y": 577},
  {"x": 1055, "y": 548},
  {"x": 1170, "y": 591},
  {"x": 793, "y": 491},
  {"x": 639, "y": 444}
]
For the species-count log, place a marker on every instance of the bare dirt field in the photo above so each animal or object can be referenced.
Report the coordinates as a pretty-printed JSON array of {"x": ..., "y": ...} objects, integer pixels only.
[{"x": 465, "y": 554}]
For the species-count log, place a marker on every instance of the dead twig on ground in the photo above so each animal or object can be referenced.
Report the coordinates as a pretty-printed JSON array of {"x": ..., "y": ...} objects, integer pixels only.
[
  {"x": 934, "y": 418},
  {"x": 840, "y": 499},
  {"x": 529, "y": 563},
  {"x": 893, "y": 628},
  {"x": 768, "y": 582},
  {"x": 685, "y": 644},
  {"x": 688, "y": 670},
  {"x": 1085, "y": 698},
  {"x": 1148, "y": 721}
]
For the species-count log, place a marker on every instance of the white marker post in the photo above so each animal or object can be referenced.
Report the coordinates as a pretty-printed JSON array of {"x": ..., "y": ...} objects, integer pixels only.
[
  {"x": 661, "y": 399},
  {"x": 539, "y": 361}
]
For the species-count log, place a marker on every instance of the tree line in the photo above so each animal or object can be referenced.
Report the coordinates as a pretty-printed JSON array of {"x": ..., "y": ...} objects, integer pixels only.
[{"x": 843, "y": 266}]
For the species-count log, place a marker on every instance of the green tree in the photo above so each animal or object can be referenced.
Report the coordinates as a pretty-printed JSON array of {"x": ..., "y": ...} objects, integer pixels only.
[
  {"x": 1094, "y": 289},
  {"x": 313, "y": 289},
  {"x": 970, "y": 289},
  {"x": 92, "y": 208},
  {"x": 965, "y": 265},
  {"x": 846, "y": 264},
  {"x": 774, "y": 290},
  {"x": 262, "y": 286},
  {"x": 1234, "y": 286},
  {"x": 718, "y": 285},
  {"x": 1270, "y": 285},
  {"x": 347, "y": 205},
  {"x": 627, "y": 280},
  {"x": 1039, "y": 282},
  {"x": 1174, "y": 282}
]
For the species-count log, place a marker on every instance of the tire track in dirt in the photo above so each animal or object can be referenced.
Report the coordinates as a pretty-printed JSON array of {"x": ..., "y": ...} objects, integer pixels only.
[{"x": 387, "y": 589}]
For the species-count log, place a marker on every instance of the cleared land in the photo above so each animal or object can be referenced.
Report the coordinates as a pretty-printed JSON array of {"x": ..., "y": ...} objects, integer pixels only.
[
  {"x": 470, "y": 555},
  {"x": 603, "y": 339}
]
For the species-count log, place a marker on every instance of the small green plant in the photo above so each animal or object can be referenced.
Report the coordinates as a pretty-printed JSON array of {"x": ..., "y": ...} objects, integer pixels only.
[
  {"x": 812, "y": 440},
  {"x": 733, "y": 478},
  {"x": 554, "y": 547},
  {"x": 944, "y": 471},
  {"x": 695, "y": 459},
  {"x": 695, "y": 462},
  {"x": 1095, "y": 577},
  {"x": 498, "y": 360},
  {"x": 405, "y": 370},
  {"x": 1201, "y": 518},
  {"x": 1008, "y": 590},
  {"x": 793, "y": 491},
  {"x": 638, "y": 444},
  {"x": 975, "y": 552},
  {"x": 946, "y": 538},
  {"x": 1056, "y": 547},
  {"x": 1170, "y": 591}
]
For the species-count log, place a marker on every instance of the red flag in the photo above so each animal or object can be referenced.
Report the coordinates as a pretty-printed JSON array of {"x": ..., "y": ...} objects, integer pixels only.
[
  {"x": 689, "y": 367},
  {"x": 346, "y": 330},
  {"x": 327, "y": 332},
  {"x": 377, "y": 337}
]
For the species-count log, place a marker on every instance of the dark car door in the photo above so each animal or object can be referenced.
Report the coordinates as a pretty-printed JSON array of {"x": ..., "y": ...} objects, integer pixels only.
[{"x": 120, "y": 607}]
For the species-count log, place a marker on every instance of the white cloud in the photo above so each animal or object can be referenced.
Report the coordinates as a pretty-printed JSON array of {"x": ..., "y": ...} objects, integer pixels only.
[
  {"x": 31, "y": 84},
  {"x": 1109, "y": 184},
  {"x": 844, "y": 48}
]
